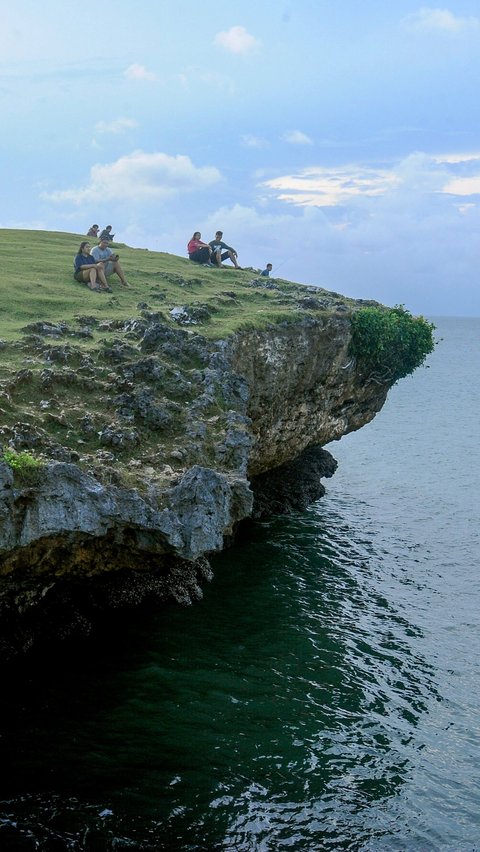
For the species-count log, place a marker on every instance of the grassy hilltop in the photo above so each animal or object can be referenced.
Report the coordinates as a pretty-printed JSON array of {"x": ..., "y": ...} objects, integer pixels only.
[
  {"x": 122, "y": 383},
  {"x": 78, "y": 381},
  {"x": 36, "y": 283}
]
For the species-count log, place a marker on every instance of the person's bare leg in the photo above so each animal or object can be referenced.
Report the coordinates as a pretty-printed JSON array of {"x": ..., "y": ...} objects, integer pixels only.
[
  {"x": 118, "y": 269},
  {"x": 90, "y": 278},
  {"x": 101, "y": 277},
  {"x": 233, "y": 258}
]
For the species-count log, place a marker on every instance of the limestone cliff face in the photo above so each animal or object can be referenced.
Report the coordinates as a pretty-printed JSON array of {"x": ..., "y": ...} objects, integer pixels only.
[
  {"x": 303, "y": 388},
  {"x": 289, "y": 388}
]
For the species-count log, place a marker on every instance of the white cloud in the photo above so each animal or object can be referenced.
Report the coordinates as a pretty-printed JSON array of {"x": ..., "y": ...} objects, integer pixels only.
[
  {"x": 296, "y": 137},
  {"x": 250, "y": 141},
  {"x": 119, "y": 125},
  {"x": 236, "y": 40},
  {"x": 403, "y": 246},
  {"x": 463, "y": 186},
  {"x": 322, "y": 187},
  {"x": 466, "y": 209},
  {"x": 438, "y": 20},
  {"x": 457, "y": 158},
  {"x": 450, "y": 174},
  {"x": 139, "y": 72},
  {"x": 140, "y": 176}
]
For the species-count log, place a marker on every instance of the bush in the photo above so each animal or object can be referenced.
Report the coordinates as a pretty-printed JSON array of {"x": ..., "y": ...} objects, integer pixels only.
[
  {"x": 26, "y": 468},
  {"x": 389, "y": 344}
]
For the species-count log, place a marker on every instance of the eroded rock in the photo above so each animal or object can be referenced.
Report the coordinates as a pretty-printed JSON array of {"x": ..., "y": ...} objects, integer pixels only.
[{"x": 177, "y": 427}]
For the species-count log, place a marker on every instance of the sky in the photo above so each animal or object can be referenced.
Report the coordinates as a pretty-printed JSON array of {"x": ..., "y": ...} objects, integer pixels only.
[{"x": 335, "y": 139}]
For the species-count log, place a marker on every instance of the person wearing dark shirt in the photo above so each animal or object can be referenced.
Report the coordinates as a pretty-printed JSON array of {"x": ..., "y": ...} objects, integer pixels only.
[
  {"x": 87, "y": 270},
  {"x": 266, "y": 272},
  {"x": 106, "y": 234},
  {"x": 221, "y": 252}
]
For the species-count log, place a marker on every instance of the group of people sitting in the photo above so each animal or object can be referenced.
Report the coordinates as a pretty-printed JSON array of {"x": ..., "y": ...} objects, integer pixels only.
[
  {"x": 212, "y": 253},
  {"x": 92, "y": 266},
  {"x": 106, "y": 234},
  {"x": 215, "y": 252}
]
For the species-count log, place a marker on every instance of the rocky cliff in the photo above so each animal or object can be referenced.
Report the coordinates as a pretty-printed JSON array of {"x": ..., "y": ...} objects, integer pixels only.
[
  {"x": 236, "y": 421},
  {"x": 303, "y": 388}
]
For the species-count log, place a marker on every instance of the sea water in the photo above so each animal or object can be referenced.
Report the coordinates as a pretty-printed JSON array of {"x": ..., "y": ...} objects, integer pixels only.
[{"x": 323, "y": 695}]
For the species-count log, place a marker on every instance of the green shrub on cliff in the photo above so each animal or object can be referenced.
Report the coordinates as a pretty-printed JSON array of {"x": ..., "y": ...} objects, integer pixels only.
[
  {"x": 389, "y": 344},
  {"x": 26, "y": 468}
]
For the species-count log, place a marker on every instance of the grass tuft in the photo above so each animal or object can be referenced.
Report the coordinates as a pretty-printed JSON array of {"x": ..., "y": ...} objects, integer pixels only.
[{"x": 26, "y": 468}]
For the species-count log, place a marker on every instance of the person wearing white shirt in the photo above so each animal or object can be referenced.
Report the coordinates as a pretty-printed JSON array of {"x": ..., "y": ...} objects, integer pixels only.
[{"x": 110, "y": 261}]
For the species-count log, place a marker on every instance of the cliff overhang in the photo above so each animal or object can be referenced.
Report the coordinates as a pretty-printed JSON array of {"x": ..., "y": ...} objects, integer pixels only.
[
  {"x": 263, "y": 397},
  {"x": 154, "y": 438}
]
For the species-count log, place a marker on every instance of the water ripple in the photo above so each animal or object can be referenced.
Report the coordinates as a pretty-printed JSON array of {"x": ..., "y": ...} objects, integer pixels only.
[{"x": 323, "y": 696}]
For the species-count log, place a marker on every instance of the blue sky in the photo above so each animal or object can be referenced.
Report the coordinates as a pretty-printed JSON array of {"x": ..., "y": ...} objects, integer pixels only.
[{"x": 338, "y": 140}]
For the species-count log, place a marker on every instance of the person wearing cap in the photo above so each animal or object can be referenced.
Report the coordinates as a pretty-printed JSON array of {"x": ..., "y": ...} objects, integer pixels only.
[
  {"x": 266, "y": 272},
  {"x": 107, "y": 234},
  {"x": 103, "y": 254},
  {"x": 220, "y": 251}
]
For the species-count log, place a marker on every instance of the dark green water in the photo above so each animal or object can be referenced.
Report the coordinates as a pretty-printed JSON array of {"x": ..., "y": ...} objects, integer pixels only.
[{"x": 323, "y": 695}]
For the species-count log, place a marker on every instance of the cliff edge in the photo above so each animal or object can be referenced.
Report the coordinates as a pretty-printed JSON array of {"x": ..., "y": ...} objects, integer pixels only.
[{"x": 148, "y": 435}]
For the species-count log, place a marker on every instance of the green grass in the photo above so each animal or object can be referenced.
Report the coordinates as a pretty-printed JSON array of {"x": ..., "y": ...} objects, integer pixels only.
[
  {"x": 27, "y": 470},
  {"x": 47, "y": 419},
  {"x": 36, "y": 283}
]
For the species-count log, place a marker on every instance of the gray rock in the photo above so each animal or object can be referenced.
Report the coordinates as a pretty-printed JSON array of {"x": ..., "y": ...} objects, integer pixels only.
[
  {"x": 252, "y": 403},
  {"x": 208, "y": 505},
  {"x": 117, "y": 436},
  {"x": 47, "y": 328},
  {"x": 143, "y": 404},
  {"x": 293, "y": 486}
]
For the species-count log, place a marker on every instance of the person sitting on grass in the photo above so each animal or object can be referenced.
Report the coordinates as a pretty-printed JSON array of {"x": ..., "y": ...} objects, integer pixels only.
[
  {"x": 199, "y": 251},
  {"x": 110, "y": 260},
  {"x": 106, "y": 234},
  {"x": 93, "y": 231},
  {"x": 88, "y": 271},
  {"x": 220, "y": 251},
  {"x": 266, "y": 272}
]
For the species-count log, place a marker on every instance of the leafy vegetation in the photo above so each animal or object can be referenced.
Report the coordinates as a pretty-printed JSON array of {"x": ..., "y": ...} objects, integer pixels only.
[
  {"x": 389, "y": 344},
  {"x": 26, "y": 468}
]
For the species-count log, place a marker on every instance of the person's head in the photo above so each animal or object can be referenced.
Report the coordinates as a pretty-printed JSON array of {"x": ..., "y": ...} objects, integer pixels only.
[
  {"x": 218, "y": 235},
  {"x": 103, "y": 243},
  {"x": 196, "y": 235},
  {"x": 108, "y": 228},
  {"x": 84, "y": 247},
  {"x": 95, "y": 227},
  {"x": 269, "y": 267}
]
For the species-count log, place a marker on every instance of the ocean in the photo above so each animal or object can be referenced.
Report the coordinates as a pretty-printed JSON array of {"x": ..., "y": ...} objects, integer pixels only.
[{"x": 324, "y": 695}]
